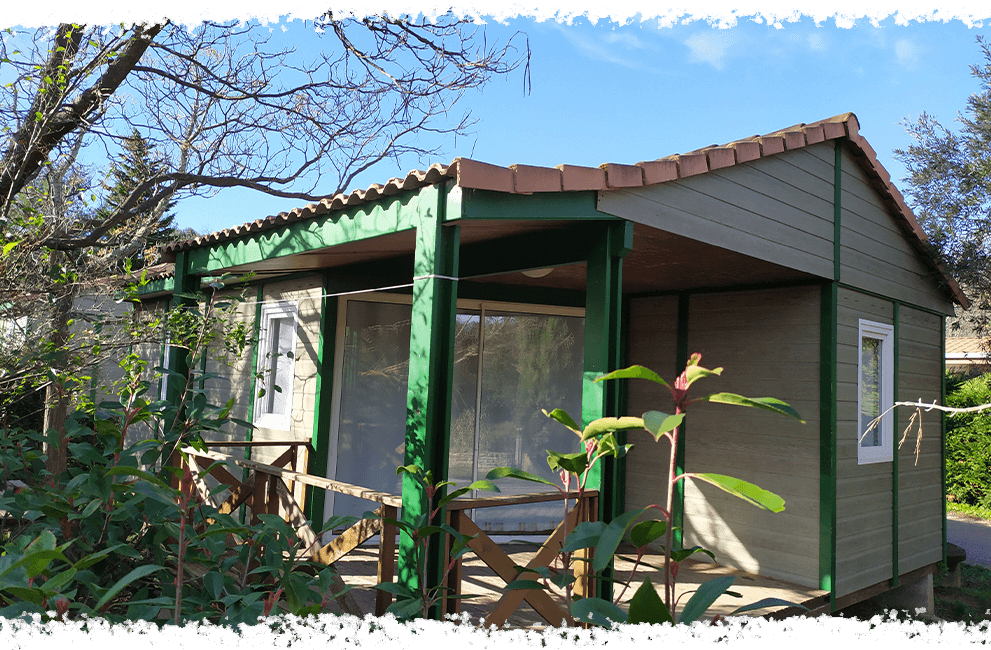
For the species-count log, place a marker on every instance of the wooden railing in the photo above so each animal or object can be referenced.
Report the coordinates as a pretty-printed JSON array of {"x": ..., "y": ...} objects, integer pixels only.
[{"x": 268, "y": 490}]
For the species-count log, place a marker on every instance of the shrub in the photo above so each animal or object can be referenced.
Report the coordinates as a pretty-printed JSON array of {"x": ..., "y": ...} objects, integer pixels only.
[{"x": 968, "y": 442}]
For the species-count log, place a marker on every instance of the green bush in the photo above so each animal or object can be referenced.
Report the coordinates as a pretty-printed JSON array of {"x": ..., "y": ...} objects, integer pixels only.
[
  {"x": 109, "y": 536},
  {"x": 968, "y": 442}
]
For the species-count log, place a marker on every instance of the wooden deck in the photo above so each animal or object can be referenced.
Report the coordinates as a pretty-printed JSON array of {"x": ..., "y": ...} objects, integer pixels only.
[{"x": 358, "y": 570}]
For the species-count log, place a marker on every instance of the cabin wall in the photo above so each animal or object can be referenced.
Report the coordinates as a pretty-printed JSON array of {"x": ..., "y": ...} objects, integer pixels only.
[
  {"x": 875, "y": 252},
  {"x": 768, "y": 343},
  {"x": 778, "y": 209},
  {"x": 652, "y": 342},
  {"x": 865, "y": 492}
]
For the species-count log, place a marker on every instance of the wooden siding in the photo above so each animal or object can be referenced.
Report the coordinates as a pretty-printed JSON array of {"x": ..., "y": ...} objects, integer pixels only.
[
  {"x": 777, "y": 209},
  {"x": 875, "y": 253},
  {"x": 768, "y": 343},
  {"x": 863, "y": 492},
  {"x": 653, "y": 342},
  {"x": 920, "y": 507}
]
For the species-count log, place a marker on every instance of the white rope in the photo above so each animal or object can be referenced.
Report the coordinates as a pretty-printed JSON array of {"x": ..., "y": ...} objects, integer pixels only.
[{"x": 431, "y": 276}]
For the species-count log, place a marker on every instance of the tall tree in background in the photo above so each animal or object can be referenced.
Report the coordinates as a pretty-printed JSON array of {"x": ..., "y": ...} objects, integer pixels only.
[
  {"x": 949, "y": 188},
  {"x": 137, "y": 163},
  {"x": 221, "y": 105}
]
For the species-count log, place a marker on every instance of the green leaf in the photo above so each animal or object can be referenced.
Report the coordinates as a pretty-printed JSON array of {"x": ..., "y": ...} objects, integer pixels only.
[
  {"x": 703, "y": 598},
  {"x": 647, "y": 607},
  {"x": 771, "y": 404},
  {"x": 634, "y": 372},
  {"x": 509, "y": 472},
  {"x": 767, "y": 602},
  {"x": 611, "y": 537},
  {"x": 597, "y": 611},
  {"x": 586, "y": 534},
  {"x": 214, "y": 584},
  {"x": 396, "y": 589},
  {"x": 658, "y": 423},
  {"x": 523, "y": 584},
  {"x": 571, "y": 463},
  {"x": 602, "y": 426},
  {"x": 683, "y": 553},
  {"x": 746, "y": 491},
  {"x": 134, "y": 574},
  {"x": 648, "y": 531},
  {"x": 695, "y": 372},
  {"x": 560, "y": 415},
  {"x": 7, "y": 248}
]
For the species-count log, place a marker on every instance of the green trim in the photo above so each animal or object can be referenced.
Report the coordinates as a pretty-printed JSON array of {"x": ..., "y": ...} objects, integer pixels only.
[
  {"x": 894, "y": 449},
  {"x": 530, "y": 250},
  {"x": 249, "y": 415},
  {"x": 874, "y": 294},
  {"x": 829, "y": 308},
  {"x": 398, "y": 213},
  {"x": 162, "y": 285},
  {"x": 681, "y": 360},
  {"x": 837, "y": 209},
  {"x": 522, "y": 294},
  {"x": 431, "y": 370},
  {"x": 324, "y": 395},
  {"x": 187, "y": 285},
  {"x": 602, "y": 354}
]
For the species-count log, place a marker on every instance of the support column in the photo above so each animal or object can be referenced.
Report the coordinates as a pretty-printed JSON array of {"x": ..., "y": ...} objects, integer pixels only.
[
  {"x": 177, "y": 358},
  {"x": 431, "y": 370},
  {"x": 603, "y": 329},
  {"x": 324, "y": 390}
]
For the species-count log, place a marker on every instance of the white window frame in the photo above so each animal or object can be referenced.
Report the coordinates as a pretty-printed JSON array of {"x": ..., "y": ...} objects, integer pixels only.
[
  {"x": 272, "y": 311},
  {"x": 886, "y": 334}
]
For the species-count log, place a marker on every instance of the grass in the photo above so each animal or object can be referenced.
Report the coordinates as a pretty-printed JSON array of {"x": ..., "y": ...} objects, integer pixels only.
[
  {"x": 978, "y": 512},
  {"x": 969, "y": 603}
]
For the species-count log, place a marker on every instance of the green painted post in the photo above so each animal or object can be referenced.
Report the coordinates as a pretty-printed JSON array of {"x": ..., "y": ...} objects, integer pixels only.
[
  {"x": 602, "y": 354},
  {"x": 324, "y": 397},
  {"x": 431, "y": 370},
  {"x": 894, "y": 453},
  {"x": 942, "y": 424},
  {"x": 183, "y": 297}
]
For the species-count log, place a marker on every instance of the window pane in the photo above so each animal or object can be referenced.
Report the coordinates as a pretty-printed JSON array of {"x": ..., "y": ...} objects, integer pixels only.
[
  {"x": 462, "y": 457},
  {"x": 529, "y": 363},
  {"x": 373, "y": 401},
  {"x": 282, "y": 341},
  {"x": 870, "y": 389}
]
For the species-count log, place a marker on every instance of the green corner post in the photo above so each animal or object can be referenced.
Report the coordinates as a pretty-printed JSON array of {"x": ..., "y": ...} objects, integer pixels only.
[
  {"x": 177, "y": 359},
  {"x": 603, "y": 329},
  {"x": 324, "y": 391},
  {"x": 431, "y": 370},
  {"x": 681, "y": 361}
]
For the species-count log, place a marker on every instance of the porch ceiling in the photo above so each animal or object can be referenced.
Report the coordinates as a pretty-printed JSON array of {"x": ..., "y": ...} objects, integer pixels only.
[{"x": 660, "y": 261}]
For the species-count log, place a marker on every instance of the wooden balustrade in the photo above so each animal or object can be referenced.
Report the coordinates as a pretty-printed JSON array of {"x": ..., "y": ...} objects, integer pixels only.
[{"x": 268, "y": 490}]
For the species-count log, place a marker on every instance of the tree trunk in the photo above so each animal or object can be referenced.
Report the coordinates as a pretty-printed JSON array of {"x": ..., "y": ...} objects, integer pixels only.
[{"x": 56, "y": 397}]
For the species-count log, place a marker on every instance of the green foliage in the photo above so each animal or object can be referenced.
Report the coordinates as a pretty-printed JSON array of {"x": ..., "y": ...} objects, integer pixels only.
[
  {"x": 604, "y": 538},
  {"x": 409, "y": 603},
  {"x": 109, "y": 536},
  {"x": 968, "y": 443},
  {"x": 949, "y": 188}
]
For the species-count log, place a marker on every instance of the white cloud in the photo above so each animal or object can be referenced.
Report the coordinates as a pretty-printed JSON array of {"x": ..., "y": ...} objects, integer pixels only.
[
  {"x": 609, "y": 47},
  {"x": 817, "y": 42},
  {"x": 625, "y": 39},
  {"x": 907, "y": 53},
  {"x": 712, "y": 46}
]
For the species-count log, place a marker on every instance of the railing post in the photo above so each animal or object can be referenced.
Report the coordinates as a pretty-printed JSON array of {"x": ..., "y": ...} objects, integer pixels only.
[
  {"x": 452, "y": 605},
  {"x": 387, "y": 558},
  {"x": 258, "y": 497}
]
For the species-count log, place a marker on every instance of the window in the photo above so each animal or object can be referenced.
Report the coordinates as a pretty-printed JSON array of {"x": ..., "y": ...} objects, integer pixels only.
[
  {"x": 875, "y": 395},
  {"x": 276, "y": 365}
]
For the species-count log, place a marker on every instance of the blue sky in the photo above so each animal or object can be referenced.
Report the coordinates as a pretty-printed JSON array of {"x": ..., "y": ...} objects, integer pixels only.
[{"x": 611, "y": 92}]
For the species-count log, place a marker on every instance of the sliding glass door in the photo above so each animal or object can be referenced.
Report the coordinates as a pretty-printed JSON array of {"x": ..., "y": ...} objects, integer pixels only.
[{"x": 511, "y": 361}]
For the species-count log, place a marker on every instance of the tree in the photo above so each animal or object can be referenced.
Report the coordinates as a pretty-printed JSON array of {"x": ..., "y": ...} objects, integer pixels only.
[
  {"x": 949, "y": 188},
  {"x": 138, "y": 162},
  {"x": 222, "y": 105}
]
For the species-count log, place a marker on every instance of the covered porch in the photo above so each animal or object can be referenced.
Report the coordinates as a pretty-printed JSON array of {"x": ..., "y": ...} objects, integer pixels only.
[{"x": 441, "y": 242}]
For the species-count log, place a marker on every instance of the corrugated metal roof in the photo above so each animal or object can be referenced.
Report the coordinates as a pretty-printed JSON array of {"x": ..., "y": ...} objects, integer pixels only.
[{"x": 526, "y": 179}]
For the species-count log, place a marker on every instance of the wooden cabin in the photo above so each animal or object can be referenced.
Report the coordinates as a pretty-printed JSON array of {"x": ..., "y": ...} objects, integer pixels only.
[{"x": 430, "y": 319}]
